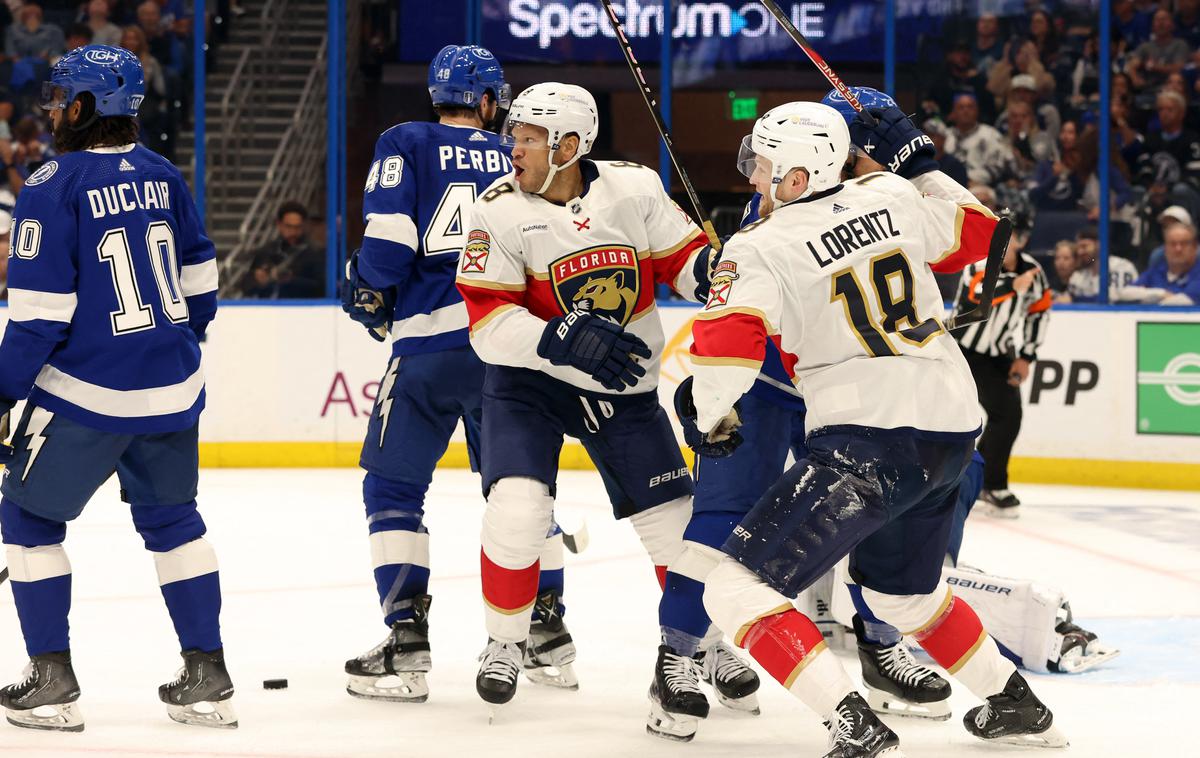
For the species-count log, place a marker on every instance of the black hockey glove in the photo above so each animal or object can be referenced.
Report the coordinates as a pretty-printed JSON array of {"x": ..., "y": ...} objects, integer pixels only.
[
  {"x": 595, "y": 346},
  {"x": 720, "y": 442},
  {"x": 896, "y": 142},
  {"x": 368, "y": 306},
  {"x": 6, "y": 451},
  {"x": 702, "y": 269}
]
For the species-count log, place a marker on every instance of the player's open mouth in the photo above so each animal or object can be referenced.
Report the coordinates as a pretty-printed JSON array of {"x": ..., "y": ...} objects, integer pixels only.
[{"x": 518, "y": 170}]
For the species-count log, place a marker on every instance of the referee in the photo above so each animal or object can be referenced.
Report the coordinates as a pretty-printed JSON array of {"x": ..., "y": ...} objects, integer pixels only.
[{"x": 999, "y": 361}]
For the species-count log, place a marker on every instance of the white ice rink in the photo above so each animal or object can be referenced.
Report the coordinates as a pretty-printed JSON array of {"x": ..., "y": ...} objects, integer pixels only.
[{"x": 299, "y": 600}]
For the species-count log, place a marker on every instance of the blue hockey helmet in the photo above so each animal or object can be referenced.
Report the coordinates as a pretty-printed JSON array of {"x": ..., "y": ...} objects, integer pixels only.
[
  {"x": 460, "y": 74},
  {"x": 113, "y": 76},
  {"x": 867, "y": 98}
]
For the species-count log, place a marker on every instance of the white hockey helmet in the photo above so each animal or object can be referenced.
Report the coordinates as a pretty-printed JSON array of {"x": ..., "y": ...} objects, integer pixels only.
[
  {"x": 810, "y": 136},
  {"x": 560, "y": 109}
]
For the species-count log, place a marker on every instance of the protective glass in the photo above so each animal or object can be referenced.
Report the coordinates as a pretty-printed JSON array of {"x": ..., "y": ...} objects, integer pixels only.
[
  {"x": 504, "y": 96},
  {"x": 516, "y": 134},
  {"x": 53, "y": 97}
]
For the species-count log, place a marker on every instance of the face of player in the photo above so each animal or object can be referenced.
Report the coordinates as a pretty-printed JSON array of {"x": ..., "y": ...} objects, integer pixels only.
[{"x": 793, "y": 185}]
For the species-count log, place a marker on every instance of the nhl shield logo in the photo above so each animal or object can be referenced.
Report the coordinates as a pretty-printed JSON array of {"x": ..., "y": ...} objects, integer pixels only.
[{"x": 603, "y": 280}]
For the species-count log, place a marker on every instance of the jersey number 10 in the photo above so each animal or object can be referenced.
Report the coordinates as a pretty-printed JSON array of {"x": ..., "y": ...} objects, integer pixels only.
[{"x": 133, "y": 314}]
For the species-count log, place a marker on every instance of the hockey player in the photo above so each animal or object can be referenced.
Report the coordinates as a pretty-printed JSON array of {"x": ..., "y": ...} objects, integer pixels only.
[
  {"x": 558, "y": 275},
  {"x": 113, "y": 282},
  {"x": 882, "y": 473},
  {"x": 418, "y": 196}
]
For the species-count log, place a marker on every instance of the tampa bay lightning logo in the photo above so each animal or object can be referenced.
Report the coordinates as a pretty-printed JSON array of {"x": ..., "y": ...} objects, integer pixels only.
[
  {"x": 102, "y": 56},
  {"x": 42, "y": 174}
]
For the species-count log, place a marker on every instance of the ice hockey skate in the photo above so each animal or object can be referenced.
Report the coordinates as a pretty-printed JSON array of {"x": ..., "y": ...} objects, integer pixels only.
[
  {"x": 1079, "y": 649},
  {"x": 201, "y": 692},
  {"x": 46, "y": 696},
  {"x": 1015, "y": 717},
  {"x": 999, "y": 504},
  {"x": 856, "y": 732},
  {"x": 496, "y": 682},
  {"x": 730, "y": 677},
  {"x": 549, "y": 652},
  {"x": 897, "y": 684},
  {"x": 676, "y": 702},
  {"x": 395, "y": 669}
]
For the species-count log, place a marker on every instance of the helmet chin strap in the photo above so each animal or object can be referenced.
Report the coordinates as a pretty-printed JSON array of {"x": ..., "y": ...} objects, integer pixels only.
[{"x": 554, "y": 169}]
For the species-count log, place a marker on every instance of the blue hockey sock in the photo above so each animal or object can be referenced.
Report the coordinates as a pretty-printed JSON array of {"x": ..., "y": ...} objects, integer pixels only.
[
  {"x": 40, "y": 575},
  {"x": 399, "y": 543},
  {"x": 187, "y": 571},
  {"x": 681, "y": 612}
]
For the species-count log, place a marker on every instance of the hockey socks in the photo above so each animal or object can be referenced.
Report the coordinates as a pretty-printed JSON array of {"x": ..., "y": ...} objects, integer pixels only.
[
  {"x": 508, "y": 595},
  {"x": 191, "y": 587},
  {"x": 791, "y": 649},
  {"x": 956, "y": 639},
  {"x": 399, "y": 544},
  {"x": 41, "y": 577}
]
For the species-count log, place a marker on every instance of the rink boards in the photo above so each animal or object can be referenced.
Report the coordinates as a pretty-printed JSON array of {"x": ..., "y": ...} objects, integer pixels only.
[{"x": 1114, "y": 400}]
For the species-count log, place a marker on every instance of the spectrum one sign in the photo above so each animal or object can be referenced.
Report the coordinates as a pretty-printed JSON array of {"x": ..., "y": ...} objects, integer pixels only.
[{"x": 550, "y": 21}]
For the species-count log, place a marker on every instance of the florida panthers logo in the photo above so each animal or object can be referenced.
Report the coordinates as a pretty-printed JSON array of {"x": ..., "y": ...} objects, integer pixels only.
[{"x": 603, "y": 280}]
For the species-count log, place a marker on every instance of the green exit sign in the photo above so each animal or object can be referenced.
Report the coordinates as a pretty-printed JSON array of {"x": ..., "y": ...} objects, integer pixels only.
[{"x": 743, "y": 106}]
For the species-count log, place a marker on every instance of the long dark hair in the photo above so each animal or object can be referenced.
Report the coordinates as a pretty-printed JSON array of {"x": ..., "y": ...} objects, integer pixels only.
[{"x": 100, "y": 132}]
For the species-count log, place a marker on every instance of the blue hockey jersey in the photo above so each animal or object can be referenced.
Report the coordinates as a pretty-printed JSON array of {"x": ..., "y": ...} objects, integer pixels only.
[
  {"x": 416, "y": 204},
  {"x": 111, "y": 280}
]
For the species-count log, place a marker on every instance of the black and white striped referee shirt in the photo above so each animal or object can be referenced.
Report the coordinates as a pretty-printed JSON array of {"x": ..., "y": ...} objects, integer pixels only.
[{"x": 1012, "y": 312}]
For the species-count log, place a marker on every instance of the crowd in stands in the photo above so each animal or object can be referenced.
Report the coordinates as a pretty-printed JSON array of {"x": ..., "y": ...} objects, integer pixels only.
[{"x": 1014, "y": 111}]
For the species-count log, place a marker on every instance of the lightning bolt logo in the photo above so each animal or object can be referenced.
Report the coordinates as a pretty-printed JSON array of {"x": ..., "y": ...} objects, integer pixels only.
[
  {"x": 383, "y": 405},
  {"x": 35, "y": 433}
]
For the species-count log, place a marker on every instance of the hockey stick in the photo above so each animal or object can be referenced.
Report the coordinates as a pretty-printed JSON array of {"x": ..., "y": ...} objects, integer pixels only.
[
  {"x": 3, "y": 574},
  {"x": 816, "y": 59},
  {"x": 651, "y": 105},
  {"x": 991, "y": 272}
]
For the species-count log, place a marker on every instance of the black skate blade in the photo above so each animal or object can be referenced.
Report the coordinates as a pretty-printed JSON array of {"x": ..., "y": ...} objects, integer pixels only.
[{"x": 1051, "y": 738}]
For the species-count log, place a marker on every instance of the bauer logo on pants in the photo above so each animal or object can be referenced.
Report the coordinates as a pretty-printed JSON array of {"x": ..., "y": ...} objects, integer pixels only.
[
  {"x": 602, "y": 280},
  {"x": 1168, "y": 378}
]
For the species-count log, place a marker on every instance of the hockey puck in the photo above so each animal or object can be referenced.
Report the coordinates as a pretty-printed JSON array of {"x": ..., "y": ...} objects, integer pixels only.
[{"x": 274, "y": 684}]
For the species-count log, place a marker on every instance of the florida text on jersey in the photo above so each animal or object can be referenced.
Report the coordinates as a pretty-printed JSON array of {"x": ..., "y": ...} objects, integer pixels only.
[
  {"x": 111, "y": 280},
  {"x": 528, "y": 260},
  {"x": 836, "y": 280},
  {"x": 417, "y": 203}
]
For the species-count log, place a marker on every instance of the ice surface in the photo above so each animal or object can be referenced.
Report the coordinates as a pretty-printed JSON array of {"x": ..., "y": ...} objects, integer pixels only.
[{"x": 299, "y": 600}]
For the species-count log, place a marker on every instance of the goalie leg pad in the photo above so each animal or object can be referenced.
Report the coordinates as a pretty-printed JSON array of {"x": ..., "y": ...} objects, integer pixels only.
[{"x": 1021, "y": 615}]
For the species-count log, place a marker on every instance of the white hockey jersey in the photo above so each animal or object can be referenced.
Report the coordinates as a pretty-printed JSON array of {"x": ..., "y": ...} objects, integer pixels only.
[
  {"x": 842, "y": 282},
  {"x": 528, "y": 260}
]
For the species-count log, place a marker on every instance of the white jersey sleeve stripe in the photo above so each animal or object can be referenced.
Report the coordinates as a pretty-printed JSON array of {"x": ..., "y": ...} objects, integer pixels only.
[
  {"x": 30, "y": 305},
  {"x": 392, "y": 227},
  {"x": 447, "y": 319},
  {"x": 199, "y": 278},
  {"x": 155, "y": 401}
]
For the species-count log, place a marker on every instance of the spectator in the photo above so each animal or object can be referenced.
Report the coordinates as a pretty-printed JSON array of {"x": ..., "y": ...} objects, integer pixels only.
[
  {"x": 1162, "y": 54},
  {"x": 1024, "y": 90},
  {"x": 1177, "y": 274},
  {"x": 1171, "y": 139},
  {"x": 290, "y": 266},
  {"x": 985, "y": 195},
  {"x": 960, "y": 76},
  {"x": 164, "y": 46},
  {"x": 1187, "y": 22},
  {"x": 979, "y": 146},
  {"x": 1045, "y": 38},
  {"x": 1132, "y": 25},
  {"x": 1030, "y": 145},
  {"x": 133, "y": 39},
  {"x": 104, "y": 31},
  {"x": 1175, "y": 214},
  {"x": 950, "y": 166},
  {"x": 1064, "y": 266},
  {"x": 1085, "y": 77},
  {"x": 78, "y": 35},
  {"x": 31, "y": 145},
  {"x": 1020, "y": 57},
  {"x": 29, "y": 37},
  {"x": 1084, "y": 285},
  {"x": 7, "y": 111},
  {"x": 988, "y": 47}
]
